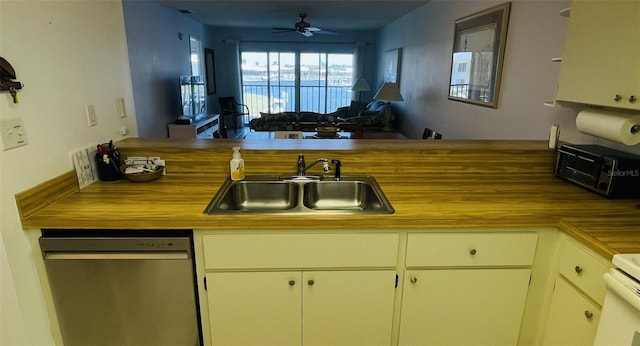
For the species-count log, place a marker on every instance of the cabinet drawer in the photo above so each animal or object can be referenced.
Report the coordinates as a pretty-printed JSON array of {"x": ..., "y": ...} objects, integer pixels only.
[
  {"x": 251, "y": 251},
  {"x": 470, "y": 249},
  {"x": 584, "y": 270}
]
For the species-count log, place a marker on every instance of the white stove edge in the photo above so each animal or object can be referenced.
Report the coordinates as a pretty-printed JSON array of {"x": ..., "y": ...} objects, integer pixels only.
[{"x": 629, "y": 263}]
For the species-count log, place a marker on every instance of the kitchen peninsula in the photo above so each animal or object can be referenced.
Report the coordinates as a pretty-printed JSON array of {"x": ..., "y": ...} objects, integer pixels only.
[
  {"x": 500, "y": 194},
  {"x": 434, "y": 183}
]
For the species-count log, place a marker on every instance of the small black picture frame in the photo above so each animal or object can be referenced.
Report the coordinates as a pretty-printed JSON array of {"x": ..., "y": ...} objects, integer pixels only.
[{"x": 210, "y": 70}]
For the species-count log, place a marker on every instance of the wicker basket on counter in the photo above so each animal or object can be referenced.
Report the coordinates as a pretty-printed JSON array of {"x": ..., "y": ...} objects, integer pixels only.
[{"x": 142, "y": 177}]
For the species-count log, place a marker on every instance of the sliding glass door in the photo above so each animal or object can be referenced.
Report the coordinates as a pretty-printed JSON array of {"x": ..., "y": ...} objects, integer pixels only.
[{"x": 275, "y": 82}]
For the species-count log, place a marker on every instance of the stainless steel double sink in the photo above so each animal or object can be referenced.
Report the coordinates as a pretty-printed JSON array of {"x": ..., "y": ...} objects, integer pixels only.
[{"x": 272, "y": 194}]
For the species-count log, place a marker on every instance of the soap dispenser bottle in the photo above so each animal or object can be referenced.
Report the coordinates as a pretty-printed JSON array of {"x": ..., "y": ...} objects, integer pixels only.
[{"x": 236, "y": 165}]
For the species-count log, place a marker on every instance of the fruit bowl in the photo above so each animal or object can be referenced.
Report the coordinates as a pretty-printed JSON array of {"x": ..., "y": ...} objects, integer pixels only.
[{"x": 327, "y": 131}]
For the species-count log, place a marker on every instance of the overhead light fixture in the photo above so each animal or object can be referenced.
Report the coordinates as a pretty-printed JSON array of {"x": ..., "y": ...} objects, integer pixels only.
[{"x": 388, "y": 92}]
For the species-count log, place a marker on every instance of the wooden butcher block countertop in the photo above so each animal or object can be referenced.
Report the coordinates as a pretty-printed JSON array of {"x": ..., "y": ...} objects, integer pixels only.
[{"x": 431, "y": 184}]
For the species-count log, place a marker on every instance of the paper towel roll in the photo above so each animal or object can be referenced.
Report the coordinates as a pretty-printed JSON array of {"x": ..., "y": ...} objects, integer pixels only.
[{"x": 615, "y": 126}]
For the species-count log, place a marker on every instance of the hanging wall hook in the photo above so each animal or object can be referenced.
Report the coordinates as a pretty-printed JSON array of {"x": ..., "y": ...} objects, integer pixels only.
[{"x": 7, "y": 82}]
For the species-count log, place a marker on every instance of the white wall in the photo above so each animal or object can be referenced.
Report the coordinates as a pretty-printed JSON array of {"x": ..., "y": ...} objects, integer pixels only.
[
  {"x": 535, "y": 35},
  {"x": 68, "y": 54}
]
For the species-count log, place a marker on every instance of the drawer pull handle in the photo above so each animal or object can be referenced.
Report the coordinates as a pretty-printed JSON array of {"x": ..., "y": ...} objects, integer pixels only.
[
  {"x": 617, "y": 98},
  {"x": 632, "y": 99},
  {"x": 473, "y": 252},
  {"x": 311, "y": 282},
  {"x": 413, "y": 279},
  {"x": 588, "y": 314},
  {"x": 578, "y": 269},
  {"x": 292, "y": 282}
]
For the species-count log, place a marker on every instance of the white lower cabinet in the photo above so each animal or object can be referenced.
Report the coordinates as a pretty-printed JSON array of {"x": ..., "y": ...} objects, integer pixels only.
[
  {"x": 342, "y": 288},
  {"x": 300, "y": 289},
  {"x": 573, "y": 318},
  {"x": 577, "y": 297},
  {"x": 301, "y": 308},
  {"x": 255, "y": 308},
  {"x": 463, "y": 306},
  {"x": 465, "y": 288}
]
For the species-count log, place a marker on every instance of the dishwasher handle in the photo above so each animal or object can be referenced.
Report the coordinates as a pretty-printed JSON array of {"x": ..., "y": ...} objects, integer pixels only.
[{"x": 120, "y": 255}]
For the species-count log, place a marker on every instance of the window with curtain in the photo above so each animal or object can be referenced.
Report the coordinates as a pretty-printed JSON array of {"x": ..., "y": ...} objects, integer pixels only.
[{"x": 293, "y": 81}]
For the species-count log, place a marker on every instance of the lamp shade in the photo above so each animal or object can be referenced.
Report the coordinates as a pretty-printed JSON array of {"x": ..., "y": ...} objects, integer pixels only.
[
  {"x": 361, "y": 85},
  {"x": 389, "y": 92}
]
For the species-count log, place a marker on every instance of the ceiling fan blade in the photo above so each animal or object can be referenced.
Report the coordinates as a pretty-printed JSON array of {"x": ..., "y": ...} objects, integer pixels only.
[
  {"x": 326, "y": 32},
  {"x": 306, "y": 33},
  {"x": 283, "y": 29},
  {"x": 312, "y": 28}
]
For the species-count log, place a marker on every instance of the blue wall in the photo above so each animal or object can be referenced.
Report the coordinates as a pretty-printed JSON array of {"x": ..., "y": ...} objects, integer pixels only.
[{"x": 158, "y": 43}]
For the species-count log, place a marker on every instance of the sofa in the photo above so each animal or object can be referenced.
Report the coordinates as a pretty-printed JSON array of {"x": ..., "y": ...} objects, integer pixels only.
[
  {"x": 370, "y": 115},
  {"x": 289, "y": 121}
]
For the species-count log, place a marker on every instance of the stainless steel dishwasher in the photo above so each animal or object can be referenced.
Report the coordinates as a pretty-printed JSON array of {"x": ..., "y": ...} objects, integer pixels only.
[{"x": 123, "y": 287}]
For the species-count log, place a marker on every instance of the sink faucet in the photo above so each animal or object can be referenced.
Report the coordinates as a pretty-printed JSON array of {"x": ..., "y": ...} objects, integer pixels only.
[
  {"x": 302, "y": 167},
  {"x": 302, "y": 170}
]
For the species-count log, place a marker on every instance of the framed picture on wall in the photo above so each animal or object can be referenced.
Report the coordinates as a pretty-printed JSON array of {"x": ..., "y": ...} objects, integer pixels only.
[
  {"x": 392, "y": 60},
  {"x": 210, "y": 70},
  {"x": 478, "y": 55}
]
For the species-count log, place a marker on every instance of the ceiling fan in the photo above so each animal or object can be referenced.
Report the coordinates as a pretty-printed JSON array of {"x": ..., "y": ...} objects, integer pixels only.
[{"x": 304, "y": 28}]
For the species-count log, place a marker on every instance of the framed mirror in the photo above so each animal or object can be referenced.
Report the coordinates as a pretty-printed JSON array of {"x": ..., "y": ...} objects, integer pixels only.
[{"x": 478, "y": 53}]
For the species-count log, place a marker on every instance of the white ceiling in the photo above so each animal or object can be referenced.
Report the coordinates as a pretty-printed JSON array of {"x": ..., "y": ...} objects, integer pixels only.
[{"x": 330, "y": 15}]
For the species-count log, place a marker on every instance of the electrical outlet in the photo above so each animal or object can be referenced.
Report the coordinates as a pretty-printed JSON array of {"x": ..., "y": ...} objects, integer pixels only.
[
  {"x": 122, "y": 110},
  {"x": 92, "y": 119},
  {"x": 86, "y": 170},
  {"x": 13, "y": 133}
]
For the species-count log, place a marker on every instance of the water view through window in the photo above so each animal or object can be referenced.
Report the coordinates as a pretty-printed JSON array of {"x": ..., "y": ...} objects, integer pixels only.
[{"x": 286, "y": 81}]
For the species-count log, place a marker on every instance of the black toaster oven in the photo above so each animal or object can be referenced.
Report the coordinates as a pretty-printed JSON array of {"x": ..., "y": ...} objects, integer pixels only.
[{"x": 609, "y": 172}]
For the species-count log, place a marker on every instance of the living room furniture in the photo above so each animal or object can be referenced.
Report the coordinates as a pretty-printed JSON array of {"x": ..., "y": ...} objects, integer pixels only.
[
  {"x": 305, "y": 135},
  {"x": 368, "y": 115},
  {"x": 347, "y": 133},
  {"x": 359, "y": 86},
  {"x": 230, "y": 108},
  {"x": 290, "y": 121},
  {"x": 222, "y": 133},
  {"x": 202, "y": 127},
  {"x": 388, "y": 92},
  {"x": 430, "y": 134}
]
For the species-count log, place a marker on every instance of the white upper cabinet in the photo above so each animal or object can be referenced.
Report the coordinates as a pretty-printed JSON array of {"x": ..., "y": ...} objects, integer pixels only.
[{"x": 600, "y": 62}]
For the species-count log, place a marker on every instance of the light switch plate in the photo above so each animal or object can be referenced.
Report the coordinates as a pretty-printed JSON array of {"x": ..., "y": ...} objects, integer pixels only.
[
  {"x": 122, "y": 109},
  {"x": 92, "y": 118},
  {"x": 13, "y": 133}
]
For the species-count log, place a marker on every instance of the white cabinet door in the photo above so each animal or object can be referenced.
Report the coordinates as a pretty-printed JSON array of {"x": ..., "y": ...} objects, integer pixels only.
[
  {"x": 573, "y": 319},
  {"x": 463, "y": 306},
  {"x": 602, "y": 50},
  {"x": 255, "y": 308},
  {"x": 348, "y": 307}
]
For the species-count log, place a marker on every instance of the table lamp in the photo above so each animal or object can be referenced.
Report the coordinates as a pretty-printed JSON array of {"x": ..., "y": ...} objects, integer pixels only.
[
  {"x": 388, "y": 92},
  {"x": 359, "y": 86}
]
